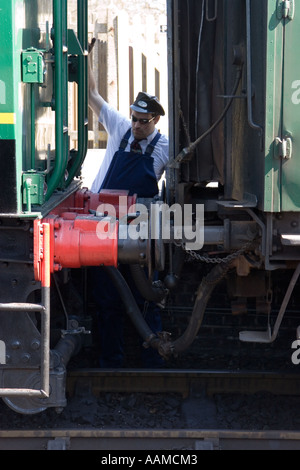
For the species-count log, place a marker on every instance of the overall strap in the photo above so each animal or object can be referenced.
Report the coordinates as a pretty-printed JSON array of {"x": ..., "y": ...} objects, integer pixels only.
[
  {"x": 125, "y": 139},
  {"x": 152, "y": 144}
]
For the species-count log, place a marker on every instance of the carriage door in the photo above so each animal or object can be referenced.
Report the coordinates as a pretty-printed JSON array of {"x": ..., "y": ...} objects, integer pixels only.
[{"x": 290, "y": 131}]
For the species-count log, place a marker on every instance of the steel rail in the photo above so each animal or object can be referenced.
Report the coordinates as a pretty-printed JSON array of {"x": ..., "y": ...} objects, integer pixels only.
[{"x": 182, "y": 440}]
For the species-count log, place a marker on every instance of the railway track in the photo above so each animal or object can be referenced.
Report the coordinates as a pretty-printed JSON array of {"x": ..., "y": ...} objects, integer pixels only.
[
  {"x": 184, "y": 382},
  {"x": 179, "y": 441}
]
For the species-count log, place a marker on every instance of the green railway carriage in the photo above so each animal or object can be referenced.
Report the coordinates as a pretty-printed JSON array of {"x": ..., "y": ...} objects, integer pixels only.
[
  {"x": 234, "y": 129},
  {"x": 37, "y": 48},
  {"x": 40, "y": 57}
]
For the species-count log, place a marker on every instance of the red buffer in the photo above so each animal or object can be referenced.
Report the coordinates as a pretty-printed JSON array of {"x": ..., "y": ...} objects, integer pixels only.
[{"x": 76, "y": 237}]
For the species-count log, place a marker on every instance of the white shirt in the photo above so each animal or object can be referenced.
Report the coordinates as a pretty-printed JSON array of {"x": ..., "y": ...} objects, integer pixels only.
[{"x": 116, "y": 126}]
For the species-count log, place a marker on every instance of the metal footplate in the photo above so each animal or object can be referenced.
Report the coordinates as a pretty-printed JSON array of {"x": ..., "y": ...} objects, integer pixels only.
[
  {"x": 45, "y": 355},
  {"x": 269, "y": 336},
  {"x": 256, "y": 336}
]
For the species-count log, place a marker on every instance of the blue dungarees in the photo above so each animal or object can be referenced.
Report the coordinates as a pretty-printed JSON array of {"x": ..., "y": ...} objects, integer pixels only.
[{"x": 133, "y": 172}]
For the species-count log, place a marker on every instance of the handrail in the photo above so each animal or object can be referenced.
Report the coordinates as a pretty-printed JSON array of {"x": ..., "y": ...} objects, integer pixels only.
[
  {"x": 249, "y": 70},
  {"x": 61, "y": 95},
  {"x": 44, "y": 310},
  {"x": 82, "y": 92}
]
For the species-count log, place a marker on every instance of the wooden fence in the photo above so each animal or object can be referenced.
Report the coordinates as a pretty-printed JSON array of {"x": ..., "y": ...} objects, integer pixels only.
[{"x": 128, "y": 57}]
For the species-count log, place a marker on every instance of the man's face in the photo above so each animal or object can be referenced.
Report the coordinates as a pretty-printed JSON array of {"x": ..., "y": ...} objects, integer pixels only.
[{"x": 143, "y": 124}]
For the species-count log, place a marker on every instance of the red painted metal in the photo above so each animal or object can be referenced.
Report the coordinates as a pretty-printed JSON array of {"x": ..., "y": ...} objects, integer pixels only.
[
  {"x": 83, "y": 201},
  {"x": 75, "y": 237},
  {"x": 42, "y": 256},
  {"x": 78, "y": 241}
]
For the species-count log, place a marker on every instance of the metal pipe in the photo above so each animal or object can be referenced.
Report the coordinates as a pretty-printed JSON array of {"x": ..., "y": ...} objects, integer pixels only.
[
  {"x": 21, "y": 307},
  {"x": 27, "y": 185},
  {"x": 148, "y": 290},
  {"x": 205, "y": 290},
  {"x": 285, "y": 302},
  {"x": 131, "y": 306},
  {"x": 67, "y": 347},
  {"x": 45, "y": 353},
  {"x": 249, "y": 69},
  {"x": 44, "y": 309},
  {"x": 61, "y": 95},
  {"x": 212, "y": 235},
  {"x": 82, "y": 92},
  {"x": 32, "y": 112},
  {"x": 45, "y": 326}
]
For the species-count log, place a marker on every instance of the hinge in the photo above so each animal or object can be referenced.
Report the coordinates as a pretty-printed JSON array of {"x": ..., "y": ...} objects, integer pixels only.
[
  {"x": 33, "y": 66},
  {"x": 284, "y": 147},
  {"x": 285, "y": 9}
]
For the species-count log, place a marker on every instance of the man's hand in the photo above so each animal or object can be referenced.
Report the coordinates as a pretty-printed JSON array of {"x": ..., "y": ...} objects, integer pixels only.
[
  {"x": 91, "y": 45},
  {"x": 95, "y": 99}
]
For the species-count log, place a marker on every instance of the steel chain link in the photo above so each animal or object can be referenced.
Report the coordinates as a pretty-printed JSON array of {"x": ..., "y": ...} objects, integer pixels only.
[{"x": 215, "y": 260}]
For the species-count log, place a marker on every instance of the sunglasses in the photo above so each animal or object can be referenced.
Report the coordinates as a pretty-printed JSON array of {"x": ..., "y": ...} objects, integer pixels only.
[{"x": 142, "y": 121}]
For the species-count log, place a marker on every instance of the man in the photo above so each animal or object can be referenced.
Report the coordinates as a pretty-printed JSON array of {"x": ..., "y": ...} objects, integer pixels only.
[
  {"x": 146, "y": 112},
  {"x": 135, "y": 160}
]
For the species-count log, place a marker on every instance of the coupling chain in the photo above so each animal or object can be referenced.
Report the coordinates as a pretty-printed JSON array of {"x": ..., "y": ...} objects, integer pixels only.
[{"x": 215, "y": 260}]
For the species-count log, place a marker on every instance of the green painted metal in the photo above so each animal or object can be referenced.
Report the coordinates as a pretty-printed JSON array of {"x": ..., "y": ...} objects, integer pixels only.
[
  {"x": 32, "y": 73},
  {"x": 74, "y": 45},
  {"x": 32, "y": 114},
  {"x": 282, "y": 127},
  {"x": 10, "y": 114},
  {"x": 291, "y": 114},
  {"x": 63, "y": 175},
  {"x": 33, "y": 185},
  {"x": 7, "y": 79},
  {"x": 273, "y": 124},
  {"x": 61, "y": 95},
  {"x": 32, "y": 66},
  {"x": 34, "y": 95},
  {"x": 79, "y": 155},
  {"x": 37, "y": 88},
  {"x": 23, "y": 117}
]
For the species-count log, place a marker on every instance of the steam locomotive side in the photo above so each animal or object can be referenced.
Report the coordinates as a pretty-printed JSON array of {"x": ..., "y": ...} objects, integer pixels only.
[
  {"x": 41, "y": 195},
  {"x": 38, "y": 171},
  {"x": 231, "y": 199},
  {"x": 51, "y": 225}
]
